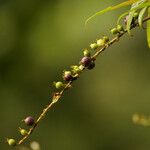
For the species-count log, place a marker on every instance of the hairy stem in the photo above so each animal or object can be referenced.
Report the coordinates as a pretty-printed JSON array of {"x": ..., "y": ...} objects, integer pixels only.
[{"x": 58, "y": 95}]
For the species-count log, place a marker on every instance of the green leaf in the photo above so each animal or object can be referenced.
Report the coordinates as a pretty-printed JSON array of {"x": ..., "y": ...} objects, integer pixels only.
[
  {"x": 141, "y": 15},
  {"x": 131, "y": 14},
  {"x": 148, "y": 28},
  {"x": 126, "y": 13},
  {"x": 129, "y": 21},
  {"x": 126, "y": 3}
]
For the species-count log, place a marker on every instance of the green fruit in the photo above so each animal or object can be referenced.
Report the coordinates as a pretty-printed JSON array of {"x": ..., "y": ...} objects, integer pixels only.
[
  {"x": 119, "y": 28},
  {"x": 23, "y": 132},
  {"x": 11, "y": 142},
  {"x": 101, "y": 42},
  {"x": 75, "y": 69},
  {"x": 114, "y": 31},
  {"x": 93, "y": 46},
  {"x": 86, "y": 53},
  {"x": 106, "y": 39},
  {"x": 59, "y": 85}
]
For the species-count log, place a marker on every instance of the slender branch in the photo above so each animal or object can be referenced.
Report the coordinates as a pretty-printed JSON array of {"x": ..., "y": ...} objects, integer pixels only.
[{"x": 58, "y": 95}]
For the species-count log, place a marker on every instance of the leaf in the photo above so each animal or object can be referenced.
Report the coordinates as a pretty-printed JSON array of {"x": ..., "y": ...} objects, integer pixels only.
[
  {"x": 148, "y": 28},
  {"x": 126, "y": 13},
  {"x": 131, "y": 14},
  {"x": 141, "y": 15},
  {"x": 129, "y": 21},
  {"x": 110, "y": 8}
]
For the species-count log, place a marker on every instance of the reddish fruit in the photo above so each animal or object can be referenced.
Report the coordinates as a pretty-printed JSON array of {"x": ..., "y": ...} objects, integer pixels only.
[
  {"x": 29, "y": 121},
  {"x": 67, "y": 76},
  {"x": 85, "y": 61}
]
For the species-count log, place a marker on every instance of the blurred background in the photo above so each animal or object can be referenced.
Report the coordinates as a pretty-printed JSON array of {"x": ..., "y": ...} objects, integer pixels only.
[{"x": 41, "y": 38}]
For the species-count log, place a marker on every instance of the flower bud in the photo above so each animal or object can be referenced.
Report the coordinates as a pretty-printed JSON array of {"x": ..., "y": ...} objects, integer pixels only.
[
  {"x": 93, "y": 46},
  {"x": 120, "y": 28},
  {"x": 59, "y": 85},
  {"x": 114, "y": 31},
  {"x": 106, "y": 39},
  {"x": 23, "y": 132},
  {"x": 11, "y": 142},
  {"x": 101, "y": 42},
  {"x": 86, "y": 53},
  {"x": 75, "y": 69}
]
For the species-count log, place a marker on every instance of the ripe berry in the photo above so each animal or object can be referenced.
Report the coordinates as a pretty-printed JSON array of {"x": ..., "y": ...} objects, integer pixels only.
[
  {"x": 11, "y": 142},
  {"x": 29, "y": 121},
  {"x": 114, "y": 31},
  {"x": 101, "y": 42},
  {"x": 86, "y": 53},
  {"x": 93, "y": 46},
  {"x": 92, "y": 65},
  {"x": 67, "y": 76},
  {"x": 120, "y": 28},
  {"x": 59, "y": 85},
  {"x": 85, "y": 61},
  {"x": 106, "y": 39},
  {"x": 23, "y": 132}
]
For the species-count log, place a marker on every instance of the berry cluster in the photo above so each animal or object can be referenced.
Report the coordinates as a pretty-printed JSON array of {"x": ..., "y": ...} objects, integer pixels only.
[
  {"x": 120, "y": 29},
  {"x": 29, "y": 121},
  {"x": 86, "y": 62}
]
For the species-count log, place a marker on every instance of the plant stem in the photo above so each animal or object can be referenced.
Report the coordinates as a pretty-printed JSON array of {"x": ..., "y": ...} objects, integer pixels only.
[{"x": 58, "y": 95}]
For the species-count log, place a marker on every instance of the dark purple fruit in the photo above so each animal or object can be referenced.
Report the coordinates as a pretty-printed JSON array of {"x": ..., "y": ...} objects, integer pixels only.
[
  {"x": 29, "y": 121},
  {"x": 67, "y": 76},
  {"x": 85, "y": 61},
  {"x": 91, "y": 66}
]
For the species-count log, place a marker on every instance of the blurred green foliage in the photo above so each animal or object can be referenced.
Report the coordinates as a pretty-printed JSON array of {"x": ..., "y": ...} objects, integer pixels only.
[{"x": 38, "y": 40}]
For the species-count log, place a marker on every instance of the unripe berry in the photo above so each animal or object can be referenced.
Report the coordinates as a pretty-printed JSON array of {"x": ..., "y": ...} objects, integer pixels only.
[
  {"x": 29, "y": 121},
  {"x": 59, "y": 85},
  {"x": 106, "y": 39},
  {"x": 93, "y": 46},
  {"x": 114, "y": 31},
  {"x": 101, "y": 42},
  {"x": 23, "y": 132},
  {"x": 11, "y": 142},
  {"x": 67, "y": 76},
  {"x": 85, "y": 61},
  {"x": 86, "y": 53},
  {"x": 75, "y": 69},
  {"x": 120, "y": 28},
  {"x": 91, "y": 66}
]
